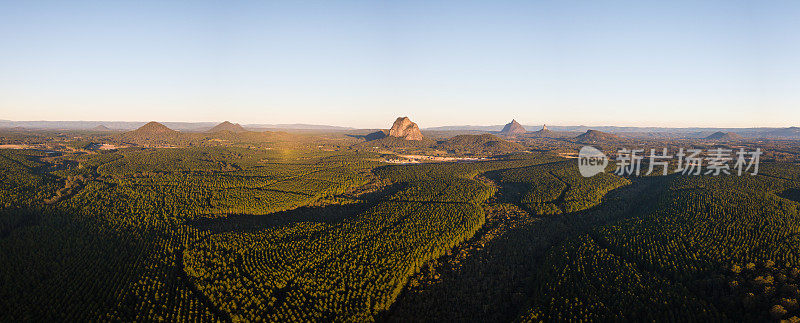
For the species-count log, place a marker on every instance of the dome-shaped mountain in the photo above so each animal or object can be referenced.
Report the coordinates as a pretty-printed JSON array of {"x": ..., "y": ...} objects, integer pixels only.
[
  {"x": 150, "y": 133},
  {"x": 513, "y": 128},
  {"x": 227, "y": 126},
  {"x": 595, "y": 136},
  {"x": 719, "y": 135},
  {"x": 404, "y": 128},
  {"x": 153, "y": 128}
]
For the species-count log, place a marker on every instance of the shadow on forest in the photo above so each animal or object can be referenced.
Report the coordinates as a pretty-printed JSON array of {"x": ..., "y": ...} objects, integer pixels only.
[
  {"x": 248, "y": 222},
  {"x": 67, "y": 252},
  {"x": 370, "y": 136},
  {"x": 513, "y": 193},
  {"x": 495, "y": 280},
  {"x": 329, "y": 214},
  {"x": 18, "y": 217},
  {"x": 792, "y": 194}
]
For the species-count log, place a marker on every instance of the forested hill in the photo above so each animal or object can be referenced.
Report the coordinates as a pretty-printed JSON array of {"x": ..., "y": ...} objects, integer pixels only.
[
  {"x": 479, "y": 144},
  {"x": 298, "y": 234}
]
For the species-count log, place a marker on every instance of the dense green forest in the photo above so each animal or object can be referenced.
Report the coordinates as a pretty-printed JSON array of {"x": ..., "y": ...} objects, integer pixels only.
[{"x": 294, "y": 234}]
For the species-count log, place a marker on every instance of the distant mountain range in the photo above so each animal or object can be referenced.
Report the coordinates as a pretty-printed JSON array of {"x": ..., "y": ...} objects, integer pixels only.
[
  {"x": 784, "y": 132},
  {"x": 296, "y": 126},
  {"x": 498, "y": 128},
  {"x": 131, "y": 125},
  {"x": 724, "y": 136},
  {"x": 101, "y": 128},
  {"x": 651, "y": 132},
  {"x": 112, "y": 125}
]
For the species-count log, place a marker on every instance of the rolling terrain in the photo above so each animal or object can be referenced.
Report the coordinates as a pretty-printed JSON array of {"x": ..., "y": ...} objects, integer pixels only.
[{"x": 237, "y": 225}]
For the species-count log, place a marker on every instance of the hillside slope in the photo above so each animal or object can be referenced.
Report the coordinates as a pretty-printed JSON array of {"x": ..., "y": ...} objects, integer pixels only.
[{"x": 479, "y": 144}]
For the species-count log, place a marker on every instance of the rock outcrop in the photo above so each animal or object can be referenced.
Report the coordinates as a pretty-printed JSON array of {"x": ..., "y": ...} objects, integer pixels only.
[
  {"x": 513, "y": 128},
  {"x": 544, "y": 133},
  {"x": 404, "y": 128}
]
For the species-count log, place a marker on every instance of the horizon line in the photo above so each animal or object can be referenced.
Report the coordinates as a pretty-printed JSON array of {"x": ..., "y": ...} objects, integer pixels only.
[{"x": 427, "y": 127}]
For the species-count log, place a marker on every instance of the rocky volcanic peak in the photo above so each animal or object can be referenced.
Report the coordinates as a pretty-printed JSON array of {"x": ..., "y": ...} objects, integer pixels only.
[
  {"x": 227, "y": 126},
  {"x": 513, "y": 128},
  {"x": 404, "y": 128},
  {"x": 544, "y": 132}
]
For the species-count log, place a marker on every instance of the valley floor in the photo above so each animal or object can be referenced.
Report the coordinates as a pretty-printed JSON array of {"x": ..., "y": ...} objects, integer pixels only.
[{"x": 237, "y": 234}]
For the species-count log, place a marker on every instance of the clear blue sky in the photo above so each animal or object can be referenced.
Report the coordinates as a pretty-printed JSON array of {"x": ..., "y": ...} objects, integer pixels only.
[{"x": 363, "y": 63}]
